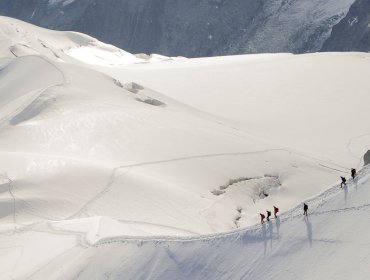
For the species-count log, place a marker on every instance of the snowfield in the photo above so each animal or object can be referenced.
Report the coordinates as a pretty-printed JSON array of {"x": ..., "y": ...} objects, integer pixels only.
[{"x": 111, "y": 163}]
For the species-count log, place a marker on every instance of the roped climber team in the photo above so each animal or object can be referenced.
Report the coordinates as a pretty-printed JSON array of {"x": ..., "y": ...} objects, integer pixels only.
[
  {"x": 305, "y": 206},
  {"x": 276, "y": 210}
]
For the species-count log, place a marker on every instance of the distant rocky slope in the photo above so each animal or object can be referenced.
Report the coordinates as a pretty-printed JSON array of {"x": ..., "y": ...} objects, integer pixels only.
[
  {"x": 352, "y": 33},
  {"x": 194, "y": 28}
]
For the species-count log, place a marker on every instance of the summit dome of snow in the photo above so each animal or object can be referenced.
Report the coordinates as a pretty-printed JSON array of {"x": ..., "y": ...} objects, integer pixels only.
[{"x": 99, "y": 147}]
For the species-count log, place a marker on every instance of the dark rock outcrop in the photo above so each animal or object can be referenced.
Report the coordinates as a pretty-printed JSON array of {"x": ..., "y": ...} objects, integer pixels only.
[{"x": 353, "y": 31}]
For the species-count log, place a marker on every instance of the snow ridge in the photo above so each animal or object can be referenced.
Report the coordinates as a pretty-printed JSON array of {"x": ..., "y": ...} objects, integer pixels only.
[{"x": 315, "y": 203}]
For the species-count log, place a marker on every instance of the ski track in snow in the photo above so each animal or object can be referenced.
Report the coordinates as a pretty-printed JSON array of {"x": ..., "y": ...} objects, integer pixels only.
[
  {"x": 4, "y": 122},
  {"x": 21, "y": 248},
  {"x": 10, "y": 184},
  {"x": 235, "y": 154},
  {"x": 114, "y": 175},
  {"x": 33, "y": 211},
  {"x": 314, "y": 202},
  {"x": 105, "y": 190},
  {"x": 10, "y": 190},
  {"x": 50, "y": 262}
]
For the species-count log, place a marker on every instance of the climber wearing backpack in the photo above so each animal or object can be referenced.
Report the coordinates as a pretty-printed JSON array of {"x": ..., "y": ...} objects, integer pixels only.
[
  {"x": 305, "y": 209},
  {"x": 262, "y": 218},
  {"x": 276, "y": 210},
  {"x": 268, "y": 215},
  {"x": 343, "y": 182}
]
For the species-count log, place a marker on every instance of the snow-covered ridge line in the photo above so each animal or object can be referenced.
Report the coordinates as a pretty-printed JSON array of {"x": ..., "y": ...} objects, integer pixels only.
[
  {"x": 297, "y": 211},
  {"x": 64, "y": 46}
]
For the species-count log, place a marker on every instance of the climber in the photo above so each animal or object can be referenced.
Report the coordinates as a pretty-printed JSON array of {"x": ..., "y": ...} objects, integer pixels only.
[
  {"x": 262, "y": 218},
  {"x": 268, "y": 215},
  {"x": 276, "y": 210},
  {"x": 305, "y": 208}
]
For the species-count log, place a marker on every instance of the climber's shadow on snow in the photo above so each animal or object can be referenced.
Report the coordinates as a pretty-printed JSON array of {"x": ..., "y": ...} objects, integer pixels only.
[
  {"x": 271, "y": 232},
  {"x": 309, "y": 230},
  {"x": 310, "y": 238},
  {"x": 264, "y": 237},
  {"x": 355, "y": 183},
  {"x": 6, "y": 209},
  {"x": 277, "y": 223},
  {"x": 345, "y": 190},
  {"x": 4, "y": 187},
  {"x": 260, "y": 235}
]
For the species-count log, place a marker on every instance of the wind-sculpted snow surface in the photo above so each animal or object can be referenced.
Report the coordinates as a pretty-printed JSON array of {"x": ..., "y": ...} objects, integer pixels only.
[
  {"x": 325, "y": 244},
  {"x": 103, "y": 151}
]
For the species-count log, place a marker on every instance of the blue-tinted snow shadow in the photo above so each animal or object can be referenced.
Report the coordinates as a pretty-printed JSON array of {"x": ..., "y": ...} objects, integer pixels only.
[
  {"x": 345, "y": 190},
  {"x": 309, "y": 230},
  {"x": 264, "y": 237},
  {"x": 259, "y": 235},
  {"x": 271, "y": 232},
  {"x": 355, "y": 183},
  {"x": 277, "y": 223}
]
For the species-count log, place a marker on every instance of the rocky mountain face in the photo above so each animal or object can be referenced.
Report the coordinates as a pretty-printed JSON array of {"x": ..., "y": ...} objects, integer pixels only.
[
  {"x": 352, "y": 33},
  {"x": 191, "y": 28}
]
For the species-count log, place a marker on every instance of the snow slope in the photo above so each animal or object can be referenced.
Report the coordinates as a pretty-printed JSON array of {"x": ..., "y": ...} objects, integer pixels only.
[
  {"x": 96, "y": 143},
  {"x": 331, "y": 243},
  {"x": 303, "y": 102}
]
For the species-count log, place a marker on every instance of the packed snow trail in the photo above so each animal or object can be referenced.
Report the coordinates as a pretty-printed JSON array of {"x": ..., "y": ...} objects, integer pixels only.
[
  {"x": 9, "y": 182},
  {"x": 117, "y": 173},
  {"x": 315, "y": 203},
  {"x": 324, "y": 245}
]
